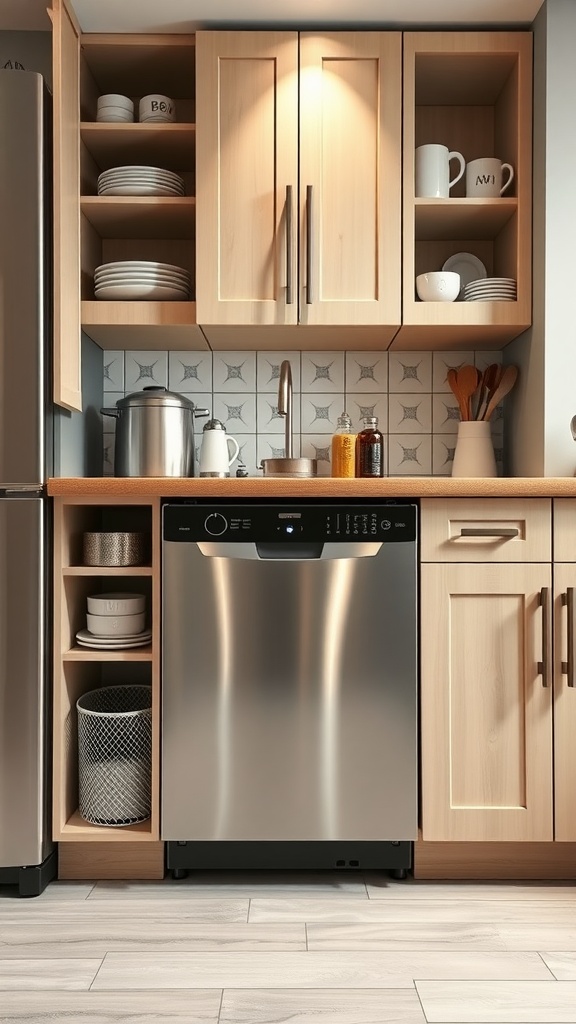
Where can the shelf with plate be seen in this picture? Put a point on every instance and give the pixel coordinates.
(140, 216)
(470, 92)
(79, 669)
(172, 146)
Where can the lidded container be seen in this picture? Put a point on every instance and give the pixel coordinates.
(370, 449)
(154, 433)
(343, 448)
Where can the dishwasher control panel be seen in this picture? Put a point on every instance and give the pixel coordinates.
(290, 523)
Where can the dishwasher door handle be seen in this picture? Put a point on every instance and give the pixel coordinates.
(286, 550)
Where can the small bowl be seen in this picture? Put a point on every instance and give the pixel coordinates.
(116, 604)
(156, 107)
(114, 548)
(116, 625)
(114, 114)
(114, 99)
(438, 286)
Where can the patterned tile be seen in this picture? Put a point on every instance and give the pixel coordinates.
(409, 371)
(410, 454)
(483, 359)
(320, 413)
(366, 371)
(268, 370)
(444, 361)
(190, 371)
(113, 363)
(236, 411)
(271, 446)
(317, 446)
(269, 420)
(234, 371)
(360, 405)
(443, 447)
(445, 414)
(143, 369)
(323, 371)
(246, 454)
(410, 414)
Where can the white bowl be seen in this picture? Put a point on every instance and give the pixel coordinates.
(438, 286)
(114, 114)
(114, 99)
(158, 107)
(116, 604)
(116, 625)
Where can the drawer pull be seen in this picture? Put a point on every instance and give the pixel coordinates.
(568, 666)
(497, 531)
(289, 229)
(543, 665)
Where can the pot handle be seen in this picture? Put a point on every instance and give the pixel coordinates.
(110, 412)
(200, 412)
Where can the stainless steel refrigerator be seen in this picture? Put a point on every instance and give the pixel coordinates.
(27, 855)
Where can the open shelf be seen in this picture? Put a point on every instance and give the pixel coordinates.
(83, 831)
(109, 570)
(462, 218)
(92, 654)
(142, 325)
(140, 216)
(172, 146)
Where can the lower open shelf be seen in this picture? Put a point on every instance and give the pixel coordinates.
(76, 829)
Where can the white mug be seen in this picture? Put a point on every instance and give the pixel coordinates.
(484, 178)
(215, 457)
(433, 171)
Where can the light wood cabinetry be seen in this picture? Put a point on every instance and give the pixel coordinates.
(78, 670)
(298, 184)
(565, 669)
(471, 92)
(486, 676)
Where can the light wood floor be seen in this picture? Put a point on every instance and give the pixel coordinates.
(289, 949)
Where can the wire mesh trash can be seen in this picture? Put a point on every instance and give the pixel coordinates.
(114, 754)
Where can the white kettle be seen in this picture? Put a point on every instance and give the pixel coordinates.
(215, 457)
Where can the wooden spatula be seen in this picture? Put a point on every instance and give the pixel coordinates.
(507, 382)
(467, 379)
(488, 384)
(452, 379)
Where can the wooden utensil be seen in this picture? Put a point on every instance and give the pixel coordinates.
(488, 385)
(507, 382)
(467, 379)
(453, 385)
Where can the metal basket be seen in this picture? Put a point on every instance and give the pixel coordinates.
(114, 755)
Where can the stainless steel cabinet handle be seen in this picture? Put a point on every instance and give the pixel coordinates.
(543, 603)
(309, 296)
(568, 666)
(503, 531)
(289, 293)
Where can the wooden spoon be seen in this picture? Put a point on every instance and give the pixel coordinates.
(488, 384)
(452, 379)
(507, 382)
(467, 379)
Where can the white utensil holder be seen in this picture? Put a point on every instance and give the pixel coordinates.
(474, 453)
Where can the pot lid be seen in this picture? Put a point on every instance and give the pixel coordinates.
(154, 397)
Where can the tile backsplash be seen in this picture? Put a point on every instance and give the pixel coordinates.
(408, 391)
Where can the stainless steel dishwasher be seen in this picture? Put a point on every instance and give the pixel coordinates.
(289, 685)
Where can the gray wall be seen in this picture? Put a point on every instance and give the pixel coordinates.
(78, 435)
(32, 49)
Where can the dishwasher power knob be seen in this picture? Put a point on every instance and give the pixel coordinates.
(215, 524)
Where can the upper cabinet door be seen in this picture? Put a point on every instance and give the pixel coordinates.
(350, 177)
(247, 177)
(66, 90)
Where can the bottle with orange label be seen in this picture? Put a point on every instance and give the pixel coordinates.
(343, 451)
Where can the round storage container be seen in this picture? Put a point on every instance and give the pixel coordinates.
(115, 548)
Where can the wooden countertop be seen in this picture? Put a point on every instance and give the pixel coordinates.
(319, 487)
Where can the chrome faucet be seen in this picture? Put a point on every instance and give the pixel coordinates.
(285, 404)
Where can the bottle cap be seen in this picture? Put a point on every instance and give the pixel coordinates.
(371, 421)
(345, 421)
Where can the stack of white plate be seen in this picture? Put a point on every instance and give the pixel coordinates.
(86, 639)
(136, 180)
(141, 279)
(492, 289)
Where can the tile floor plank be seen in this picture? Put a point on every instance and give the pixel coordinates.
(308, 970)
(562, 964)
(396, 935)
(535, 936)
(440, 911)
(381, 887)
(504, 1002)
(47, 974)
(224, 911)
(95, 935)
(249, 884)
(321, 1006)
(55, 892)
(191, 1007)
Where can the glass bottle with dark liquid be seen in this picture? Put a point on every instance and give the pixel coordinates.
(370, 449)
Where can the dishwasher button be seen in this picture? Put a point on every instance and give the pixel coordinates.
(215, 524)
(385, 524)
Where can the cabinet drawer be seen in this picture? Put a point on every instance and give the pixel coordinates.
(565, 530)
(486, 530)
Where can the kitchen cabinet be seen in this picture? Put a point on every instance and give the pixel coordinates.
(298, 189)
(486, 670)
(91, 229)
(564, 669)
(77, 670)
(471, 92)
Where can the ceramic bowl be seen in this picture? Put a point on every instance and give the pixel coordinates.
(438, 286)
(156, 107)
(114, 99)
(116, 625)
(116, 604)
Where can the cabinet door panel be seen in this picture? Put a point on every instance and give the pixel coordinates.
(564, 709)
(486, 716)
(247, 133)
(350, 110)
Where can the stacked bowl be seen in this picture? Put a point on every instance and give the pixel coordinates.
(115, 108)
(115, 621)
(139, 180)
(141, 279)
(156, 108)
(491, 289)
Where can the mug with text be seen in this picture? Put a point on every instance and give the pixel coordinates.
(433, 171)
(484, 178)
